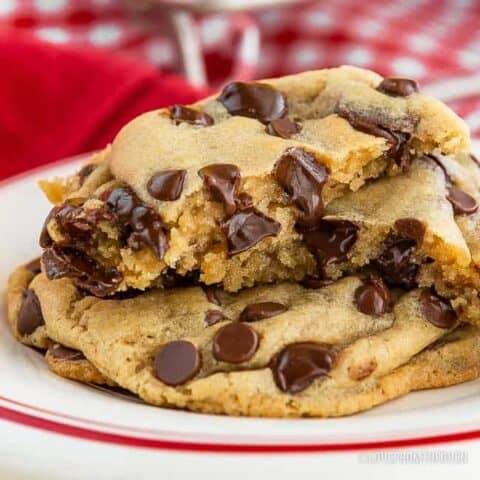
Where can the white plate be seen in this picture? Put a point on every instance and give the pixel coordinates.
(31, 396)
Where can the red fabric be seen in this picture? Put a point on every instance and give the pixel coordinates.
(77, 100)
(58, 101)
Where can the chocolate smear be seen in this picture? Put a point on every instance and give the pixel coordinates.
(30, 315)
(84, 271)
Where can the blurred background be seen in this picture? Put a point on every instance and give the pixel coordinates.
(73, 71)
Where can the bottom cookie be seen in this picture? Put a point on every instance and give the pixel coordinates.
(72, 364)
(274, 351)
(452, 360)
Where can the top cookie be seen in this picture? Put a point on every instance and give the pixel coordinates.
(226, 189)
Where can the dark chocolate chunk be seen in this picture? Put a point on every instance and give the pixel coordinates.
(397, 86)
(303, 178)
(283, 127)
(410, 228)
(398, 140)
(222, 181)
(177, 362)
(180, 113)
(396, 261)
(141, 224)
(254, 100)
(437, 309)
(462, 202)
(211, 292)
(246, 228)
(331, 240)
(78, 224)
(214, 316)
(30, 314)
(84, 271)
(34, 266)
(299, 364)
(236, 342)
(60, 352)
(167, 185)
(259, 311)
(86, 171)
(373, 297)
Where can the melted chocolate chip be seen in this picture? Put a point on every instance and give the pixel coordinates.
(373, 297)
(235, 343)
(77, 223)
(222, 181)
(142, 226)
(283, 127)
(331, 241)
(167, 185)
(30, 314)
(177, 362)
(180, 114)
(214, 316)
(397, 86)
(86, 171)
(437, 310)
(60, 352)
(410, 228)
(398, 140)
(462, 202)
(299, 364)
(85, 272)
(246, 228)
(34, 266)
(211, 292)
(254, 100)
(259, 311)
(303, 178)
(396, 262)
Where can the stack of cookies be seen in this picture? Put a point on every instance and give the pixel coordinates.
(304, 246)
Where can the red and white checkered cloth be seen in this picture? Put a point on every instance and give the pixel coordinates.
(425, 39)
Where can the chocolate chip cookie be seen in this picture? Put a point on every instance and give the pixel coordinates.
(234, 190)
(282, 350)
